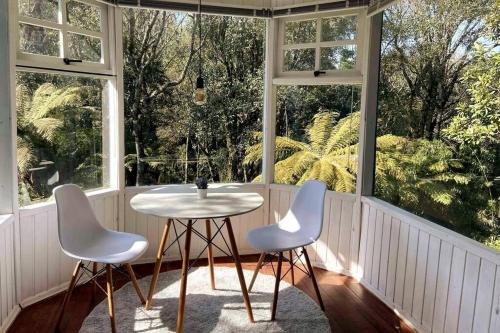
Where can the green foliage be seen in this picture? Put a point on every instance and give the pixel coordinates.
(59, 134)
(323, 157)
(477, 121)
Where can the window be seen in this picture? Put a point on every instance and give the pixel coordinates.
(63, 120)
(169, 139)
(61, 133)
(327, 43)
(317, 129)
(52, 30)
(438, 136)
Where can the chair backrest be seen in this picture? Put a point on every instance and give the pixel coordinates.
(76, 220)
(305, 215)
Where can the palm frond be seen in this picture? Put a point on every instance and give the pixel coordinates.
(345, 133)
(320, 130)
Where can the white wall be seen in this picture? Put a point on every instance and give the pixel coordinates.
(45, 269)
(437, 279)
(8, 302)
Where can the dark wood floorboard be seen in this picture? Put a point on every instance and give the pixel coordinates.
(350, 308)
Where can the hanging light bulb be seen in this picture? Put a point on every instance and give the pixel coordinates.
(200, 93)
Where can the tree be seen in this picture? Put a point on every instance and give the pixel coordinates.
(155, 62)
(326, 156)
(427, 45)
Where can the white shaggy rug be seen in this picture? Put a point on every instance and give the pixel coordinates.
(207, 310)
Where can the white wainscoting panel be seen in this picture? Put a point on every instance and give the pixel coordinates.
(45, 269)
(8, 301)
(438, 280)
(152, 228)
(333, 249)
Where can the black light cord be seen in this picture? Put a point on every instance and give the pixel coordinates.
(199, 39)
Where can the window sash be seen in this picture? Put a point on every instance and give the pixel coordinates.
(26, 59)
(334, 75)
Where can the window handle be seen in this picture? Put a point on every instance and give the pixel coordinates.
(68, 61)
(318, 73)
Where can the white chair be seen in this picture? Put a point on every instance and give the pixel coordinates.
(300, 227)
(82, 237)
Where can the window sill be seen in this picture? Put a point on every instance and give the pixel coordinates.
(92, 194)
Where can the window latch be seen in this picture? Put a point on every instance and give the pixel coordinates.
(68, 61)
(318, 73)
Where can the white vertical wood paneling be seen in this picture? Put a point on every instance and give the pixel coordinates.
(438, 280)
(484, 298)
(8, 302)
(44, 267)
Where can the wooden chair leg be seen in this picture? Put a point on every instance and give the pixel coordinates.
(239, 270)
(184, 275)
(257, 269)
(67, 296)
(315, 284)
(159, 256)
(210, 255)
(111, 306)
(290, 257)
(277, 286)
(94, 282)
(134, 282)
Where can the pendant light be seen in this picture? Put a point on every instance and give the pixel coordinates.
(200, 93)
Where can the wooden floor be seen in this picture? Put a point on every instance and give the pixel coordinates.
(349, 307)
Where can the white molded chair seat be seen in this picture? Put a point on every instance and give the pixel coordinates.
(108, 247)
(273, 238)
(82, 236)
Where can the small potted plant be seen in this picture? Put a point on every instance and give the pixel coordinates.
(202, 185)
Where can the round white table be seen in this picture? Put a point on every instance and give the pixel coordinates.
(178, 203)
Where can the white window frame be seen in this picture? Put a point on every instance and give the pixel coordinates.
(109, 69)
(64, 27)
(350, 76)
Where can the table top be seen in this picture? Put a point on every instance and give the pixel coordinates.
(182, 202)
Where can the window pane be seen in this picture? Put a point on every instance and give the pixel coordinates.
(299, 60)
(317, 129)
(338, 28)
(168, 138)
(438, 132)
(84, 47)
(84, 16)
(300, 32)
(38, 40)
(338, 57)
(40, 9)
(60, 133)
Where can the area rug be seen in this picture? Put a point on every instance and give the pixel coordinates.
(207, 310)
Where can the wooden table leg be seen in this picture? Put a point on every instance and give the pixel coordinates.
(159, 256)
(210, 254)
(72, 284)
(135, 284)
(256, 272)
(184, 275)
(277, 286)
(111, 305)
(239, 270)
(290, 256)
